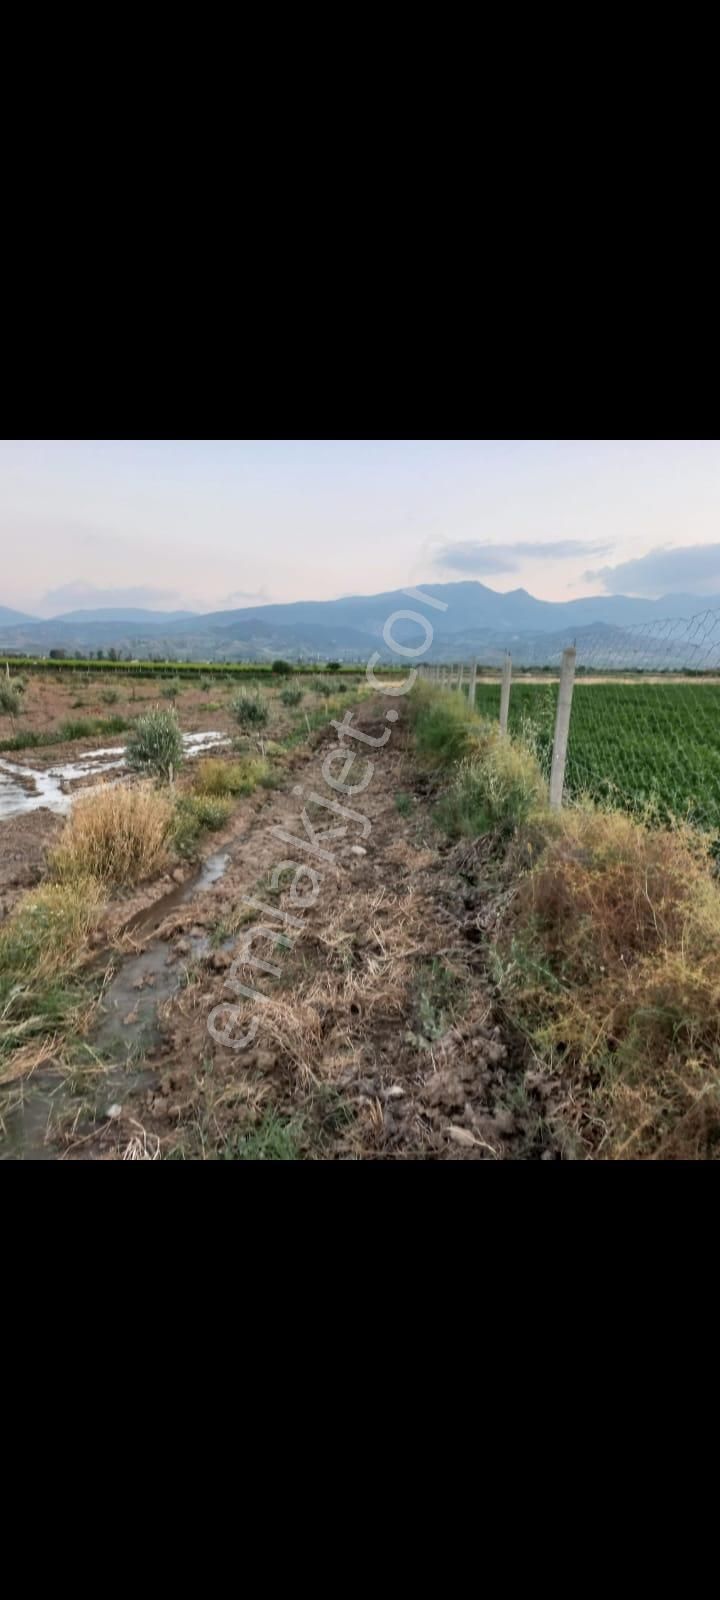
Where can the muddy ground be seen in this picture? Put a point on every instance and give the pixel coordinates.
(48, 703)
(379, 1036)
(24, 843)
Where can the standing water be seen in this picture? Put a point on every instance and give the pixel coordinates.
(24, 789)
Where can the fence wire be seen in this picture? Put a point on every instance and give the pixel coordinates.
(645, 725)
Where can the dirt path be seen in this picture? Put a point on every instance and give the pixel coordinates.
(376, 1038)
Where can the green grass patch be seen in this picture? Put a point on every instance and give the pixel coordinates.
(196, 814)
(221, 778)
(275, 1138)
(438, 995)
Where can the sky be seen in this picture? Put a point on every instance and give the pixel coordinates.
(188, 524)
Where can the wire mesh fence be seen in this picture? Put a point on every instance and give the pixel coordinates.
(644, 730)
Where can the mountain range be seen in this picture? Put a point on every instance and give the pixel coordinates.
(478, 620)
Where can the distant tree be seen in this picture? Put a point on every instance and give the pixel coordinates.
(333, 666)
(112, 654)
(101, 655)
(282, 668)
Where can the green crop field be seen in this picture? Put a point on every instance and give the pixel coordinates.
(650, 747)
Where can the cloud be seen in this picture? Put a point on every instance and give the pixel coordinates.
(694, 569)
(495, 558)
(84, 596)
(244, 597)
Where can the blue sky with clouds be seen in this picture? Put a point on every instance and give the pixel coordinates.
(220, 523)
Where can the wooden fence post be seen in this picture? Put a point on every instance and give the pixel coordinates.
(562, 728)
(505, 694)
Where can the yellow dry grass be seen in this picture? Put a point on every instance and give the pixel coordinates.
(611, 955)
(117, 835)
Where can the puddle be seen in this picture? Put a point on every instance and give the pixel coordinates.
(143, 982)
(26, 1126)
(128, 1023)
(211, 872)
(132, 997)
(24, 789)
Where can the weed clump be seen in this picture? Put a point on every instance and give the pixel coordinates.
(443, 725)
(10, 697)
(117, 836)
(610, 957)
(195, 814)
(220, 778)
(495, 790)
(274, 1138)
(155, 744)
(249, 710)
(86, 728)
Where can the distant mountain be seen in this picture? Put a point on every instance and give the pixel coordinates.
(122, 614)
(9, 617)
(470, 606)
(478, 621)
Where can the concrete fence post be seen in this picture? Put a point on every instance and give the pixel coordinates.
(473, 684)
(505, 694)
(562, 728)
(461, 675)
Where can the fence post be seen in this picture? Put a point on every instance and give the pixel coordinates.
(473, 684)
(562, 728)
(461, 675)
(505, 694)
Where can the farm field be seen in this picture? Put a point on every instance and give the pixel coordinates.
(69, 731)
(106, 988)
(409, 1012)
(635, 746)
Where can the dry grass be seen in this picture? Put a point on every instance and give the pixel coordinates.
(608, 950)
(611, 956)
(28, 1059)
(117, 835)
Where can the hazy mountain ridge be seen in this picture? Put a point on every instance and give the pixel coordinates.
(478, 620)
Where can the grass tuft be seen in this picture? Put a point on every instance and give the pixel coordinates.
(155, 744)
(249, 710)
(117, 835)
(214, 776)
